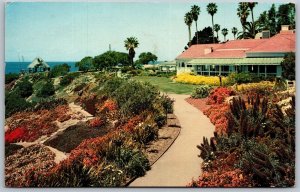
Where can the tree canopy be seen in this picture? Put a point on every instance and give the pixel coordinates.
(110, 59)
(205, 36)
(59, 70)
(146, 57)
(85, 64)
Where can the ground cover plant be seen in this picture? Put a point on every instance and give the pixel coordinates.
(106, 150)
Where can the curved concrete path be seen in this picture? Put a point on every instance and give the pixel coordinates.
(180, 163)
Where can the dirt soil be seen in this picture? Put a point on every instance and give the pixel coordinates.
(166, 136)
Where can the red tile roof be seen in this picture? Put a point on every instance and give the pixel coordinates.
(282, 42)
(197, 51)
(226, 54)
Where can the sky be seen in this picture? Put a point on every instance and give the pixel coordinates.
(70, 31)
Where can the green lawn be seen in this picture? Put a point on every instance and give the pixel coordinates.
(167, 85)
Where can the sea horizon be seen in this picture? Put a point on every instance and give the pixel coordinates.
(17, 66)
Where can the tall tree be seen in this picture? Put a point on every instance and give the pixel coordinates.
(225, 32)
(251, 6)
(146, 57)
(243, 13)
(234, 31)
(131, 43)
(286, 15)
(212, 9)
(205, 36)
(188, 19)
(217, 29)
(195, 10)
(272, 21)
(248, 31)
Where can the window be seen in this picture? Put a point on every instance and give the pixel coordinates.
(271, 69)
(189, 65)
(182, 64)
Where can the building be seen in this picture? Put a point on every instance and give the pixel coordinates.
(167, 66)
(38, 65)
(257, 56)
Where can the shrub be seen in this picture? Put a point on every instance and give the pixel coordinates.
(11, 77)
(15, 103)
(201, 92)
(167, 103)
(288, 66)
(111, 85)
(59, 70)
(243, 77)
(67, 79)
(25, 88)
(46, 90)
(50, 103)
(134, 97)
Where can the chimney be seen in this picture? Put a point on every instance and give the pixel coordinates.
(286, 29)
(208, 50)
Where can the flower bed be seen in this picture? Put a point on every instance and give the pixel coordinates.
(199, 80)
(36, 158)
(29, 126)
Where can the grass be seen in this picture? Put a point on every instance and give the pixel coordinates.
(167, 85)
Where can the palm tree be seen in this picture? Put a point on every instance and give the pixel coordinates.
(212, 8)
(217, 29)
(234, 31)
(195, 10)
(248, 34)
(131, 43)
(251, 5)
(243, 13)
(188, 19)
(225, 32)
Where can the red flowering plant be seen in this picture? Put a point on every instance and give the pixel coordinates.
(96, 122)
(15, 135)
(216, 114)
(218, 95)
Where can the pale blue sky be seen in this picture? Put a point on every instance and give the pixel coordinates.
(71, 31)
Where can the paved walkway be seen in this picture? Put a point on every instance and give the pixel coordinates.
(180, 163)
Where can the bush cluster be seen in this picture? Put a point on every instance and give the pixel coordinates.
(201, 91)
(46, 90)
(11, 77)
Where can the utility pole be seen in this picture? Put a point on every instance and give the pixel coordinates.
(109, 47)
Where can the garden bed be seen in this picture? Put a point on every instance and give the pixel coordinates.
(74, 135)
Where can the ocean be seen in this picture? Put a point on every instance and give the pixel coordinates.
(16, 67)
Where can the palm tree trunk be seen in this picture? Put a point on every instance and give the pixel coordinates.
(243, 31)
(234, 36)
(212, 19)
(224, 38)
(196, 32)
(189, 36)
(253, 25)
